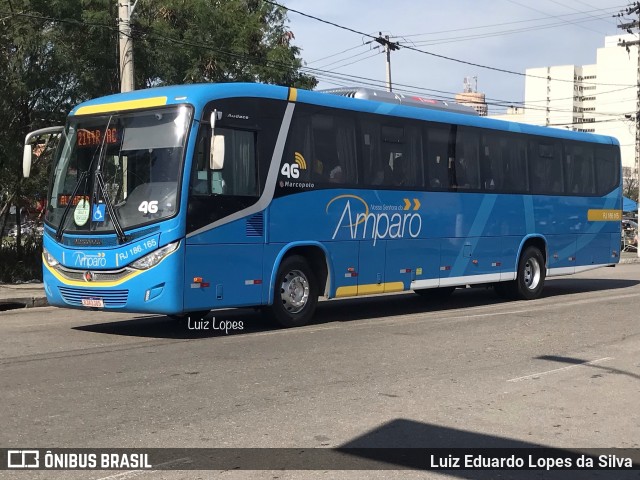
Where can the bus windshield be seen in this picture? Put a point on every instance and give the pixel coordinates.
(129, 162)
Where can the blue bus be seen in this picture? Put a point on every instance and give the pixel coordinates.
(185, 199)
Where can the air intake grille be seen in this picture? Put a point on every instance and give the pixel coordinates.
(255, 225)
(111, 298)
(105, 241)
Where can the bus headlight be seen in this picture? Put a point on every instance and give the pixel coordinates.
(52, 262)
(152, 259)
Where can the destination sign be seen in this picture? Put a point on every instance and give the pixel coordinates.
(93, 138)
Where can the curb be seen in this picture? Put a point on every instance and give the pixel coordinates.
(629, 260)
(13, 303)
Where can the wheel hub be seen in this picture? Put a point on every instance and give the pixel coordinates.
(295, 291)
(532, 273)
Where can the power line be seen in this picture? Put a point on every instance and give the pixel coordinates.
(478, 36)
(553, 16)
(608, 10)
(338, 53)
(358, 80)
(444, 57)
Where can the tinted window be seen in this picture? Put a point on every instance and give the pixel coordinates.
(545, 161)
(372, 164)
(494, 153)
(607, 169)
(323, 146)
(578, 169)
(516, 172)
(437, 154)
(467, 173)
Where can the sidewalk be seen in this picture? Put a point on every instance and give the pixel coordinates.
(28, 295)
(25, 295)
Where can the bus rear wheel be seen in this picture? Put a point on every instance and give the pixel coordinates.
(530, 277)
(296, 293)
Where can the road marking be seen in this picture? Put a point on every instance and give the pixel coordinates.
(548, 372)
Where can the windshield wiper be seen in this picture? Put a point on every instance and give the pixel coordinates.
(60, 229)
(122, 238)
(83, 176)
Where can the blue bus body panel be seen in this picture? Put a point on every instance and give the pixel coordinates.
(375, 240)
(156, 290)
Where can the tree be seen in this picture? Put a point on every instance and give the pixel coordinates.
(215, 41)
(55, 54)
(630, 187)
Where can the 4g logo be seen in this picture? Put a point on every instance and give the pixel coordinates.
(292, 170)
(148, 207)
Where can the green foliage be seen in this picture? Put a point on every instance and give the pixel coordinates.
(23, 264)
(55, 54)
(218, 41)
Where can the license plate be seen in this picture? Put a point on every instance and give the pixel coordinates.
(92, 302)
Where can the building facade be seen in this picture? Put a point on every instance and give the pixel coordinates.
(599, 98)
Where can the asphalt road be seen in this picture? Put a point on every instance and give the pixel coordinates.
(386, 371)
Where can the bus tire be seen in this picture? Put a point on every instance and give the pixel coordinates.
(531, 274)
(295, 293)
(436, 294)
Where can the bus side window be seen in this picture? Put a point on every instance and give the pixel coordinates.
(607, 174)
(516, 172)
(436, 157)
(334, 145)
(394, 156)
(412, 165)
(579, 169)
(493, 147)
(372, 164)
(467, 159)
(546, 167)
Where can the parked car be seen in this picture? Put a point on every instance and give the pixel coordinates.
(27, 228)
(629, 235)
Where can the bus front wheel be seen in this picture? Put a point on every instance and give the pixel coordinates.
(296, 293)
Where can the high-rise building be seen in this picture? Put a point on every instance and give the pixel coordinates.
(599, 98)
(472, 98)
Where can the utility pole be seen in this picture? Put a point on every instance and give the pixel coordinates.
(125, 10)
(634, 9)
(388, 47)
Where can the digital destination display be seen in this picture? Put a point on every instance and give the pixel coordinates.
(93, 138)
(63, 199)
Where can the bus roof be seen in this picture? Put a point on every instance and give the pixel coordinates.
(199, 95)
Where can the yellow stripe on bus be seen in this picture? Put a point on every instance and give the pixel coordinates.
(293, 94)
(76, 283)
(119, 106)
(113, 283)
(369, 289)
(595, 215)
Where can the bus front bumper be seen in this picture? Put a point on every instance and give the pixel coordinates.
(156, 290)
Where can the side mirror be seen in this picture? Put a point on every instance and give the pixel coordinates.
(216, 159)
(216, 155)
(27, 155)
(26, 161)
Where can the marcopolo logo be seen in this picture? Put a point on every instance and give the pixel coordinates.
(375, 221)
(89, 260)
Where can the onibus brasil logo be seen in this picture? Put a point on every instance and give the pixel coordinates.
(364, 221)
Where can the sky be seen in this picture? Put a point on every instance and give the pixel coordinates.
(506, 34)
